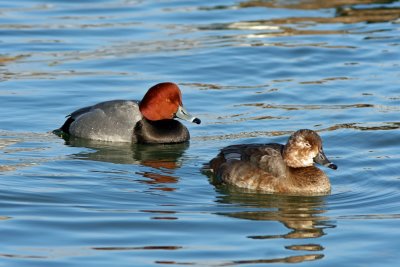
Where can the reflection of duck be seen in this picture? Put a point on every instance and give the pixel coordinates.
(162, 158)
(276, 168)
(147, 121)
(154, 155)
(303, 215)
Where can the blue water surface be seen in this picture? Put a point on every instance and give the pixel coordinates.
(253, 71)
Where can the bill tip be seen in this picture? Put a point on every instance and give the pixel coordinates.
(196, 120)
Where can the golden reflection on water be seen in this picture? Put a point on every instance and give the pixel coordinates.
(9, 59)
(309, 4)
(346, 12)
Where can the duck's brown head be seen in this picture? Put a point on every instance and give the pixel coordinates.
(303, 148)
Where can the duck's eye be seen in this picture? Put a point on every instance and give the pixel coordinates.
(306, 144)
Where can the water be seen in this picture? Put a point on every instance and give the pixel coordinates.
(253, 71)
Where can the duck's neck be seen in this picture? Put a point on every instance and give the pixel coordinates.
(159, 132)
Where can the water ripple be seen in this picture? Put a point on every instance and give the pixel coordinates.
(254, 71)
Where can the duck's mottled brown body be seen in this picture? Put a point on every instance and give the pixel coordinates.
(276, 168)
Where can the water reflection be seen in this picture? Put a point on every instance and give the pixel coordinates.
(18, 150)
(310, 4)
(140, 248)
(346, 12)
(303, 216)
(291, 259)
(9, 59)
(162, 159)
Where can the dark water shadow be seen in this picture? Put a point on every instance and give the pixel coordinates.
(303, 216)
(162, 159)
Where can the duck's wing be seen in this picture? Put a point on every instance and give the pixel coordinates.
(267, 157)
(109, 121)
(71, 118)
(256, 157)
(105, 107)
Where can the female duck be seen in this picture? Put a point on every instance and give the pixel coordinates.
(148, 121)
(276, 168)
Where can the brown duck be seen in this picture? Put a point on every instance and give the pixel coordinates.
(276, 168)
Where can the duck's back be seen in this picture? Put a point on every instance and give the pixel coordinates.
(108, 121)
(251, 166)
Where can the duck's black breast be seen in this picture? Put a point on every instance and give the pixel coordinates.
(163, 131)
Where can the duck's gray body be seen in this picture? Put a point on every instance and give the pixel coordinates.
(113, 120)
(122, 121)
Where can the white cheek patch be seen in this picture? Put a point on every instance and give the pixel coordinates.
(307, 161)
(303, 155)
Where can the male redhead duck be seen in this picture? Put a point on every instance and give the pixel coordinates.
(150, 120)
(276, 168)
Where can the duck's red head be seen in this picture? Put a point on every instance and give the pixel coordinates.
(164, 101)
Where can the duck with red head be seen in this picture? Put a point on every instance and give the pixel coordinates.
(150, 120)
